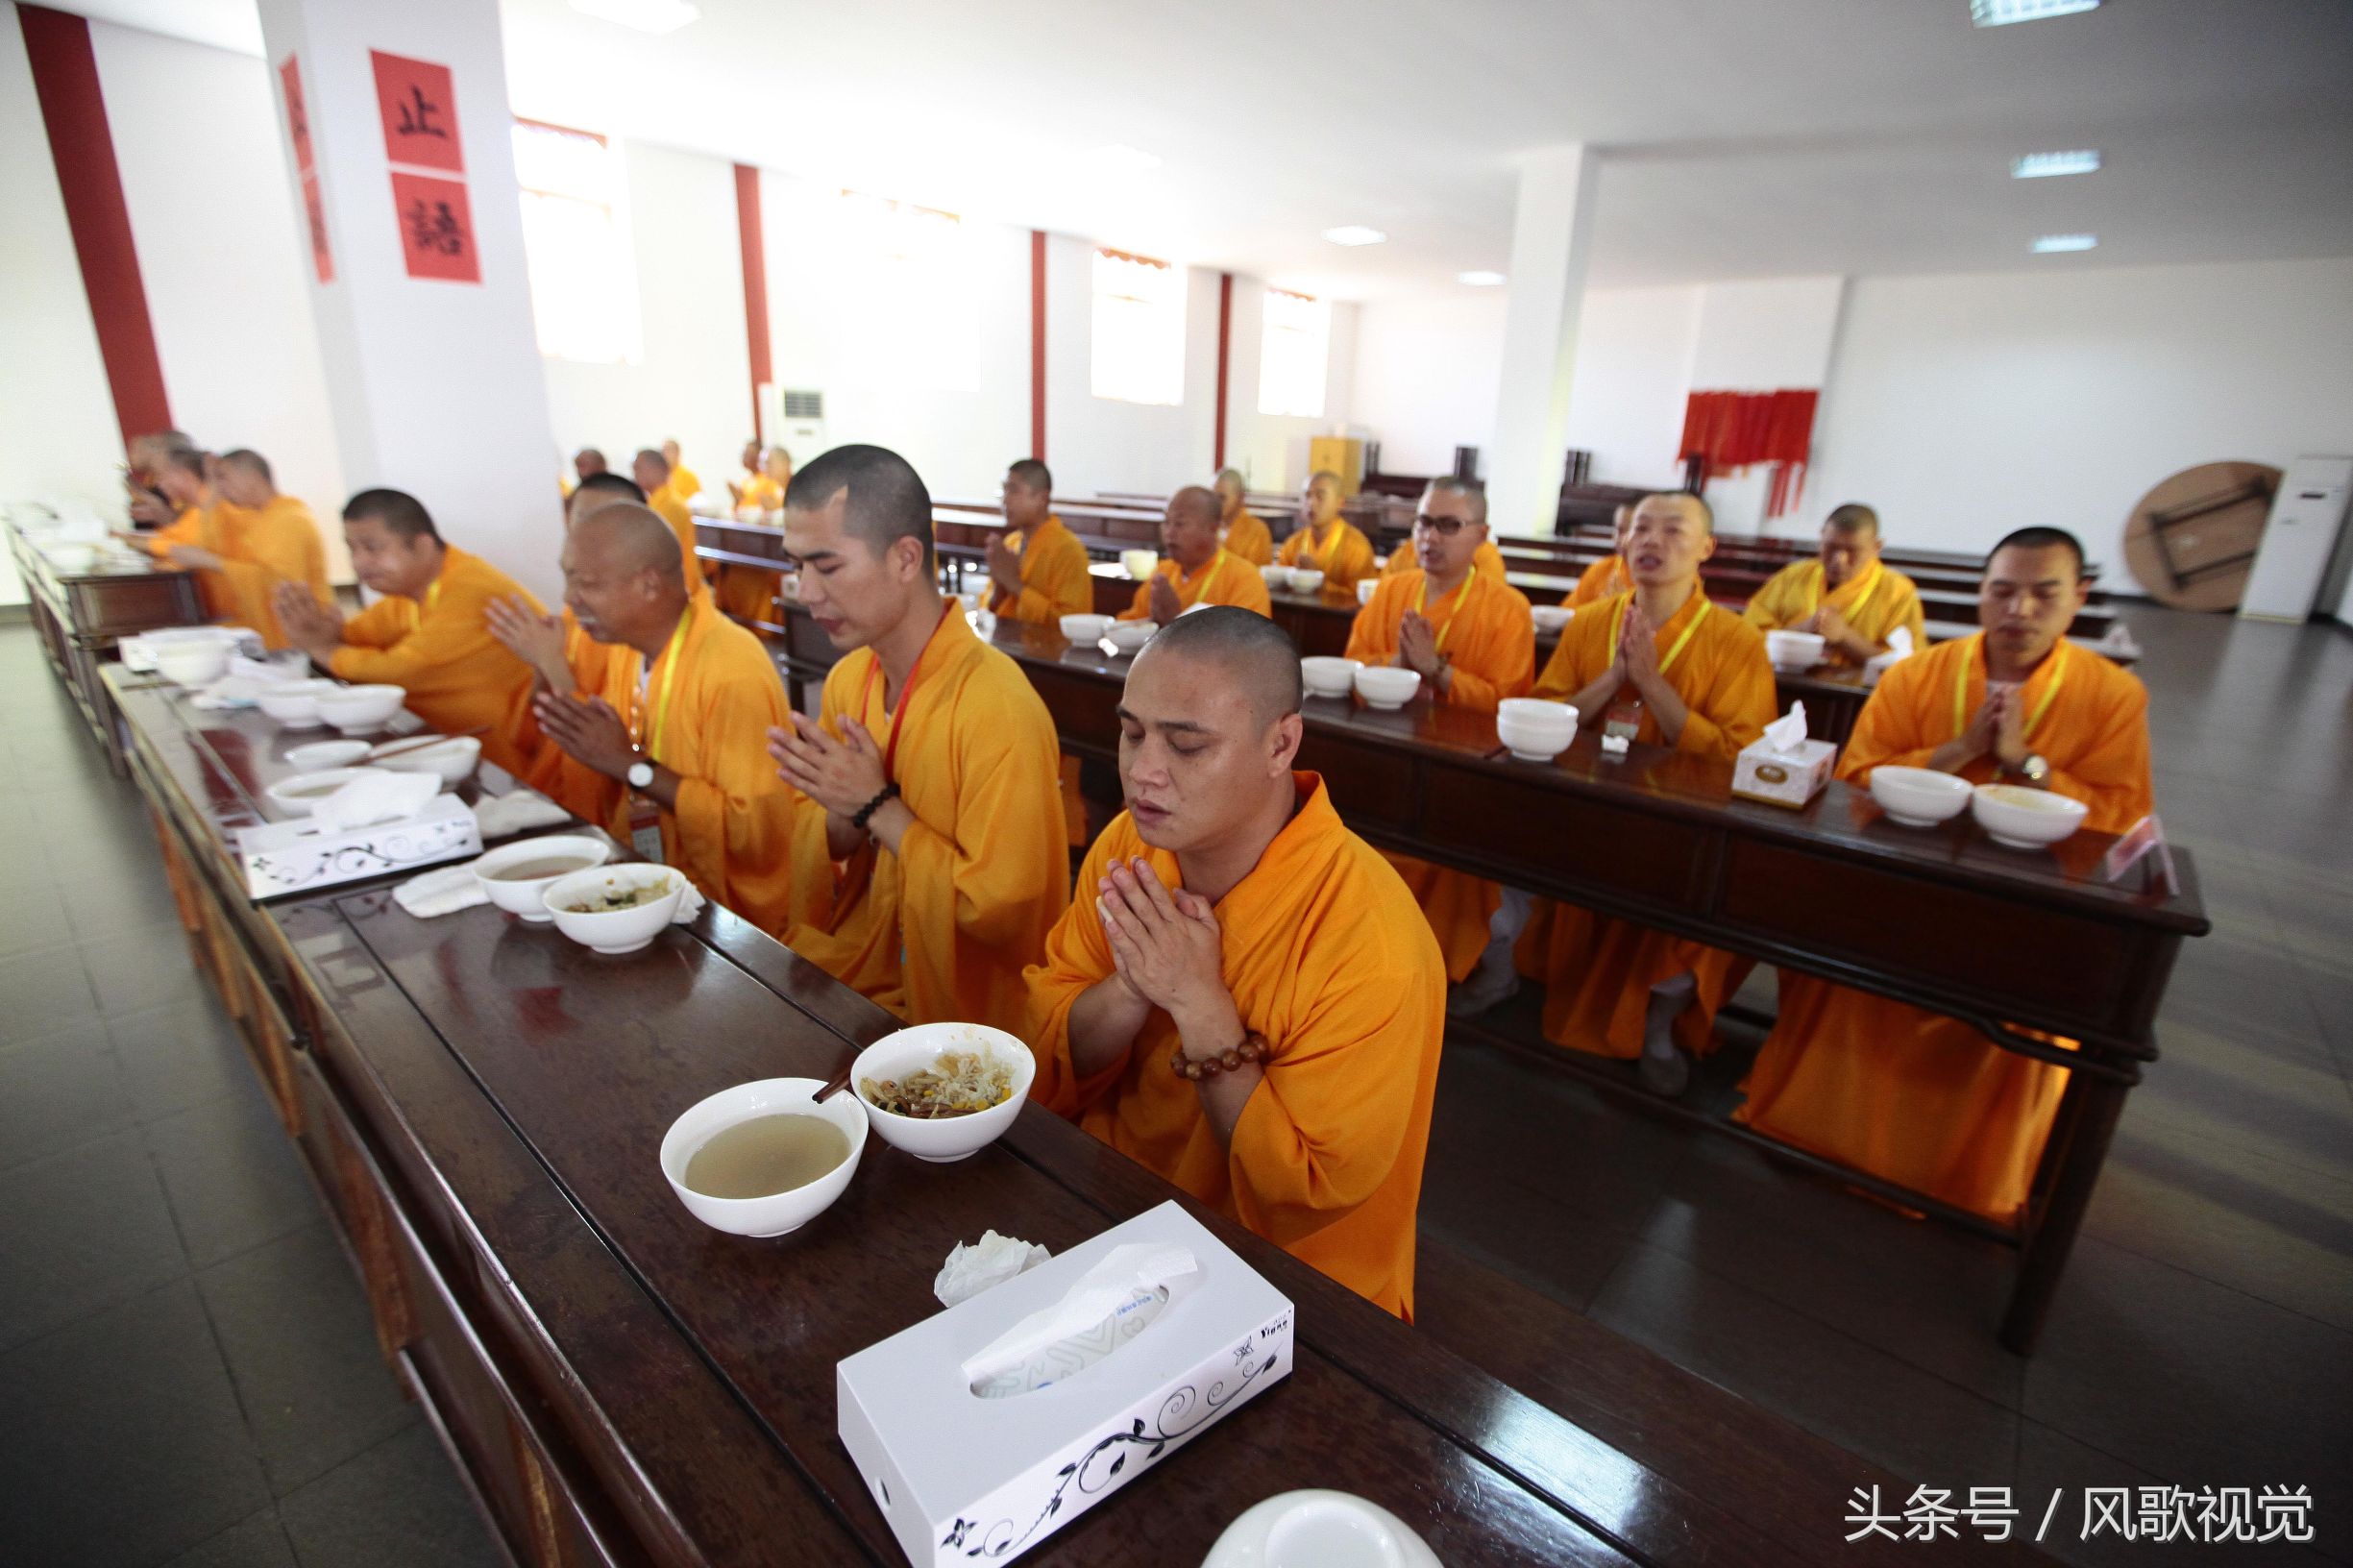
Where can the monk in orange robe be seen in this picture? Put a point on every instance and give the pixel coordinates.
(1243, 533)
(651, 472)
(1037, 568)
(149, 507)
(426, 634)
(1685, 673)
(1323, 541)
(749, 593)
(1474, 644)
(662, 696)
(1924, 1101)
(1608, 575)
(930, 857)
(684, 482)
(241, 538)
(1847, 594)
(1248, 1004)
(1194, 568)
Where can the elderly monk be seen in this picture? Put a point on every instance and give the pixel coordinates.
(1037, 567)
(1239, 529)
(684, 482)
(931, 855)
(749, 593)
(1323, 541)
(1678, 672)
(654, 475)
(1251, 1005)
(1847, 594)
(560, 667)
(667, 699)
(1194, 568)
(1924, 1101)
(425, 635)
(1608, 575)
(150, 507)
(262, 539)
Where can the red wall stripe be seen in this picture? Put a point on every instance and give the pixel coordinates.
(755, 290)
(1036, 343)
(65, 79)
(1225, 354)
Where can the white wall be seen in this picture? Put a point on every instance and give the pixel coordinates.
(1965, 406)
(1425, 372)
(693, 380)
(1635, 347)
(58, 435)
(221, 257)
(1271, 450)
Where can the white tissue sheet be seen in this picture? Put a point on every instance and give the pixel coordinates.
(377, 797)
(444, 892)
(973, 1266)
(1111, 1303)
(515, 811)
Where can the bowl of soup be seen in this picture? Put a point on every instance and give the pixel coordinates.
(2025, 819)
(615, 909)
(516, 877)
(942, 1092)
(764, 1158)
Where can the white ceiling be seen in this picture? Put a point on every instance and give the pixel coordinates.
(1742, 140)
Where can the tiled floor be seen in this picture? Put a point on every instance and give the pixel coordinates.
(189, 1377)
(187, 1367)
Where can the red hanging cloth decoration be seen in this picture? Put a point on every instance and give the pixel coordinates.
(1735, 429)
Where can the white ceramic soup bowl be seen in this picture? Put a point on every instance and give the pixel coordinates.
(1276, 576)
(1534, 729)
(526, 897)
(1084, 630)
(1385, 686)
(1794, 649)
(298, 795)
(945, 1138)
(1550, 618)
(319, 754)
(2025, 819)
(1367, 587)
(355, 710)
(1920, 797)
(453, 759)
(778, 1211)
(1325, 676)
(1307, 581)
(615, 931)
(293, 703)
(1139, 563)
(1129, 636)
(192, 664)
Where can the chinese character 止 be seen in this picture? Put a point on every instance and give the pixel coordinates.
(2107, 1511)
(1990, 1511)
(1863, 1513)
(1929, 1514)
(2284, 1513)
(417, 115)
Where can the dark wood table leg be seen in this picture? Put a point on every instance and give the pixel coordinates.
(2088, 1125)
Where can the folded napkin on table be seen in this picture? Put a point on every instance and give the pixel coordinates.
(517, 811)
(443, 891)
(375, 798)
(689, 906)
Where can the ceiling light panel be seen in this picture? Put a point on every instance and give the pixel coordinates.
(1479, 280)
(2050, 166)
(2003, 12)
(2054, 244)
(1355, 233)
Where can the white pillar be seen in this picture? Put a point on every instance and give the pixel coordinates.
(1551, 244)
(435, 384)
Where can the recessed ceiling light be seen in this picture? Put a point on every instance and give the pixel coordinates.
(645, 16)
(1353, 234)
(2046, 165)
(1120, 159)
(1479, 280)
(2051, 243)
(2003, 12)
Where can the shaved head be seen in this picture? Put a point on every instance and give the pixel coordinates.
(624, 579)
(1208, 728)
(598, 491)
(1251, 654)
(245, 479)
(632, 538)
(884, 497)
(1196, 501)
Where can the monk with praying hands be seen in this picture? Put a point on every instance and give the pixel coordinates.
(1664, 667)
(1324, 542)
(1608, 575)
(1243, 533)
(1923, 1101)
(656, 694)
(1847, 595)
(931, 856)
(426, 634)
(242, 537)
(1194, 568)
(1244, 997)
(1037, 569)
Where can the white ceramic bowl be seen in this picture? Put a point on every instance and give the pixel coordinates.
(1920, 797)
(1128, 636)
(356, 710)
(1367, 587)
(298, 795)
(1307, 581)
(1085, 629)
(1276, 576)
(615, 931)
(910, 1050)
(1385, 686)
(1550, 618)
(1794, 649)
(294, 703)
(2025, 819)
(192, 664)
(778, 1211)
(1327, 677)
(453, 759)
(526, 897)
(68, 560)
(327, 754)
(1534, 729)
(1139, 563)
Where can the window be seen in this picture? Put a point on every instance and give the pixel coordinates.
(1292, 351)
(1139, 353)
(904, 294)
(575, 245)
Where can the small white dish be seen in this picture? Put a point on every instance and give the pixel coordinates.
(776, 1213)
(1319, 1529)
(1385, 686)
(294, 703)
(614, 932)
(1126, 637)
(192, 664)
(2025, 819)
(1307, 581)
(1920, 797)
(454, 759)
(298, 795)
(1550, 618)
(525, 897)
(1325, 676)
(1084, 629)
(318, 754)
(356, 710)
(945, 1139)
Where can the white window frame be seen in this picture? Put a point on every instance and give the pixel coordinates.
(1294, 353)
(577, 247)
(1137, 346)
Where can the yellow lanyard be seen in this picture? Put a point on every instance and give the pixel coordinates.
(418, 612)
(1960, 687)
(1209, 574)
(660, 707)
(1617, 624)
(1821, 583)
(1309, 559)
(1462, 600)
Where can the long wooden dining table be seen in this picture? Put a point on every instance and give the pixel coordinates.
(481, 1103)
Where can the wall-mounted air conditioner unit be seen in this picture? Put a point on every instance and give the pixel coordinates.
(795, 420)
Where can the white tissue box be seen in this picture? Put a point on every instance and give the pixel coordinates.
(301, 855)
(1783, 778)
(958, 1475)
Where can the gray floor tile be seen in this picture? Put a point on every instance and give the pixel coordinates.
(33, 919)
(180, 1057)
(256, 1542)
(143, 966)
(396, 1506)
(44, 995)
(231, 1176)
(87, 1228)
(124, 1443)
(59, 1090)
(2282, 1099)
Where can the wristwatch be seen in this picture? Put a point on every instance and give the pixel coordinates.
(640, 771)
(2033, 768)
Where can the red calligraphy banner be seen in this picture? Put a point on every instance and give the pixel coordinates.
(437, 228)
(1735, 431)
(297, 118)
(306, 169)
(419, 106)
(314, 219)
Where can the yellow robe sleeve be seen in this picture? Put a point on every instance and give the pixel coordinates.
(1004, 856)
(1783, 601)
(1602, 578)
(732, 826)
(1737, 698)
(1249, 541)
(1055, 581)
(381, 625)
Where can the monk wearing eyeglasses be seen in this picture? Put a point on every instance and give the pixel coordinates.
(1847, 594)
(1196, 569)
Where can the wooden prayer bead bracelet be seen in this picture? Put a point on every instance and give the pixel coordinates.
(1253, 1048)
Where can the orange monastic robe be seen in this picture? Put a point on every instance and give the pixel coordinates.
(940, 931)
(1599, 972)
(761, 491)
(1247, 539)
(258, 551)
(1054, 577)
(1485, 628)
(440, 650)
(1487, 561)
(684, 483)
(669, 503)
(1874, 602)
(749, 593)
(1343, 554)
(1227, 579)
(1602, 579)
(1326, 957)
(1915, 1099)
